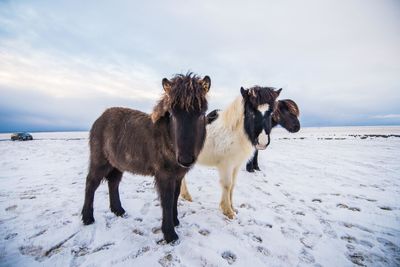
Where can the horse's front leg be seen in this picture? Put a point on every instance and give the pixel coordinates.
(166, 190)
(255, 161)
(177, 192)
(225, 176)
(249, 165)
(185, 192)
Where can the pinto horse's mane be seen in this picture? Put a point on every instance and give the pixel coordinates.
(262, 94)
(186, 93)
(233, 115)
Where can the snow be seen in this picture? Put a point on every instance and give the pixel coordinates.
(323, 198)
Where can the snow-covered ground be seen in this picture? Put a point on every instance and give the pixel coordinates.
(323, 198)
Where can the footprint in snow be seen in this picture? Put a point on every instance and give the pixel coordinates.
(168, 260)
(30, 250)
(344, 206)
(254, 237)
(306, 256)
(352, 240)
(264, 251)
(278, 219)
(327, 228)
(137, 232)
(247, 206)
(390, 245)
(301, 213)
(156, 230)
(229, 256)
(11, 208)
(145, 209)
(362, 228)
(290, 233)
(310, 239)
(204, 232)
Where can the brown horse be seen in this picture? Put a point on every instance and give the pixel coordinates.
(164, 144)
(286, 115)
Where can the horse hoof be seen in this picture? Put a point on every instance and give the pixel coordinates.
(257, 168)
(87, 216)
(187, 197)
(118, 211)
(87, 220)
(230, 214)
(250, 169)
(170, 237)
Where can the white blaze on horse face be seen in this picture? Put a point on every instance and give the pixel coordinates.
(263, 108)
(262, 141)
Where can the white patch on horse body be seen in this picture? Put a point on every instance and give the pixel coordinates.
(263, 108)
(226, 141)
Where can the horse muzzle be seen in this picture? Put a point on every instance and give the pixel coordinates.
(263, 141)
(186, 161)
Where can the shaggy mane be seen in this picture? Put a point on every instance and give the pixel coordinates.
(290, 104)
(186, 93)
(262, 94)
(233, 115)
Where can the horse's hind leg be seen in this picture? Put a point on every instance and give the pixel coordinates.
(93, 179)
(114, 178)
(185, 192)
(234, 177)
(225, 176)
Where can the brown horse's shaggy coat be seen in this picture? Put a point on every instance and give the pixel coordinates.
(164, 144)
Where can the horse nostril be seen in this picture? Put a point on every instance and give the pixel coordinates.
(296, 128)
(186, 161)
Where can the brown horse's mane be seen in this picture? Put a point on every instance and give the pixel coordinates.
(186, 93)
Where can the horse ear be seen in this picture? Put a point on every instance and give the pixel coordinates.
(159, 111)
(244, 92)
(206, 83)
(279, 91)
(167, 85)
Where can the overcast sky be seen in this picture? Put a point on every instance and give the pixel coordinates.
(63, 62)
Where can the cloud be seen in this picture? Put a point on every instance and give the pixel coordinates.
(387, 116)
(63, 75)
(339, 61)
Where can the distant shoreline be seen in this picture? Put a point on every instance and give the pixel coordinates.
(304, 127)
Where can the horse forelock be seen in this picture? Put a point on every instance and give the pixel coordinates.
(187, 93)
(263, 95)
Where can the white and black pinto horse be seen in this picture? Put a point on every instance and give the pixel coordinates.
(286, 115)
(232, 136)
